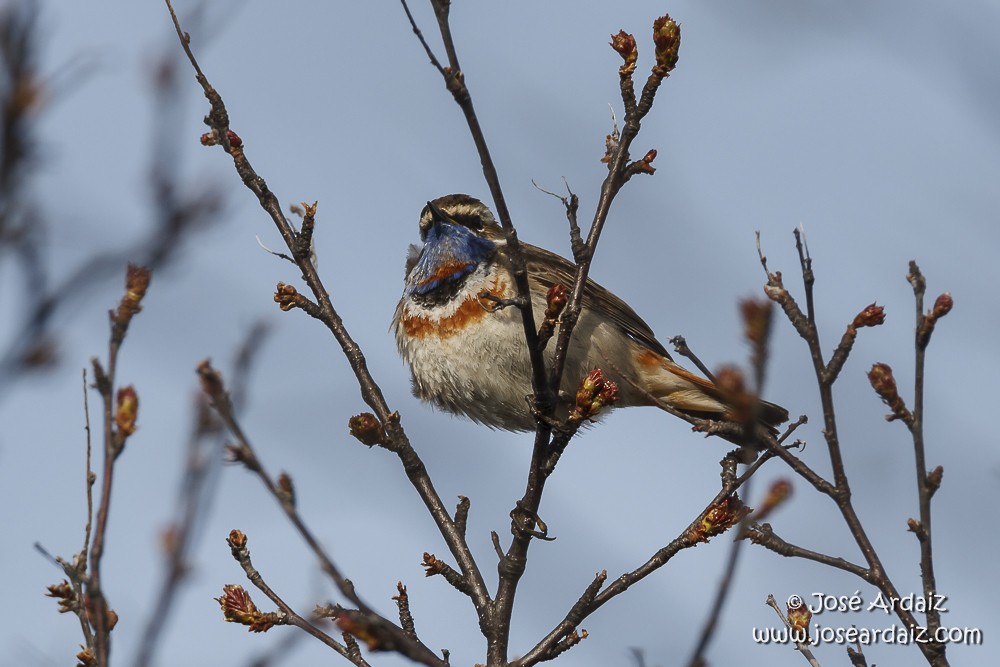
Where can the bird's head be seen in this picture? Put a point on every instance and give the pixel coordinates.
(459, 234)
(460, 210)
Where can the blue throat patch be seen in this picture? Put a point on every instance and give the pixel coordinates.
(451, 252)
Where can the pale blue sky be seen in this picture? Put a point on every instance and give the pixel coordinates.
(873, 125)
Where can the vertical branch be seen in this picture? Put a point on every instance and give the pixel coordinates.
(119, 423)
(666, 35)
(667, 38)
(454, 79)
(927, 484)
(91, 478)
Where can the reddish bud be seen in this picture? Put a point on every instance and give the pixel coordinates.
(126, 411)
(137, 280)
(65, 594)
(779, 492)
(667, 38)
(285, 296)
(645, 165)
(356, 624)
(286, 488)
(86, 658)
(871, 316)
(942, 305)
(170, 540)
(211, 380)
(624, 44)
(594, 393)
(799, 617)
(555, 300)
(609, 393)
(367, 429)
(236, 604)
(934, 478)
(756, 315)
(401, 590)
(718, 518)
(234, 139)
(610, 145)
(237, 607)
(730, 380)
(741, 401)
(884, 384)
(237, 539)
(883, 381)
(432, 565)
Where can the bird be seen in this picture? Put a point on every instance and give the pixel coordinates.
(468, 356)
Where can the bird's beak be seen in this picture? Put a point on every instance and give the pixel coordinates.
(438, 214)
(437, 217)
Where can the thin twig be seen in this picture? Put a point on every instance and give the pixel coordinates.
(681, 347)
(242, 556)
(91, 478)
(119, 424)
(393, 636)
(802, 646)
(925, 488)
(764, 536)
(196, 493)
(593, 598)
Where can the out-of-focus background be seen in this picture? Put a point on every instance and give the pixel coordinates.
(872, 125)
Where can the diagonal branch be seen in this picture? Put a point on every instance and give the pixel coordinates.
(371, 393)
(281, 489)
(722, 513)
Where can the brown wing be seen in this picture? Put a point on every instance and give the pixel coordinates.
(548, 269)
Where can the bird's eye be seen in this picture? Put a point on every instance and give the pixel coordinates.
(470, 220)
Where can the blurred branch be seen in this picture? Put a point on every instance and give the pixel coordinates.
(196, 494)
(176, 216)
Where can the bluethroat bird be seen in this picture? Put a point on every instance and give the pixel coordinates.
(469, 357)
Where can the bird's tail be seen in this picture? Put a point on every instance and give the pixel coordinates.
(693, 395)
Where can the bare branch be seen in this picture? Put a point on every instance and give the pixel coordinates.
(371, 393)
(390, 634)
(802, 646)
